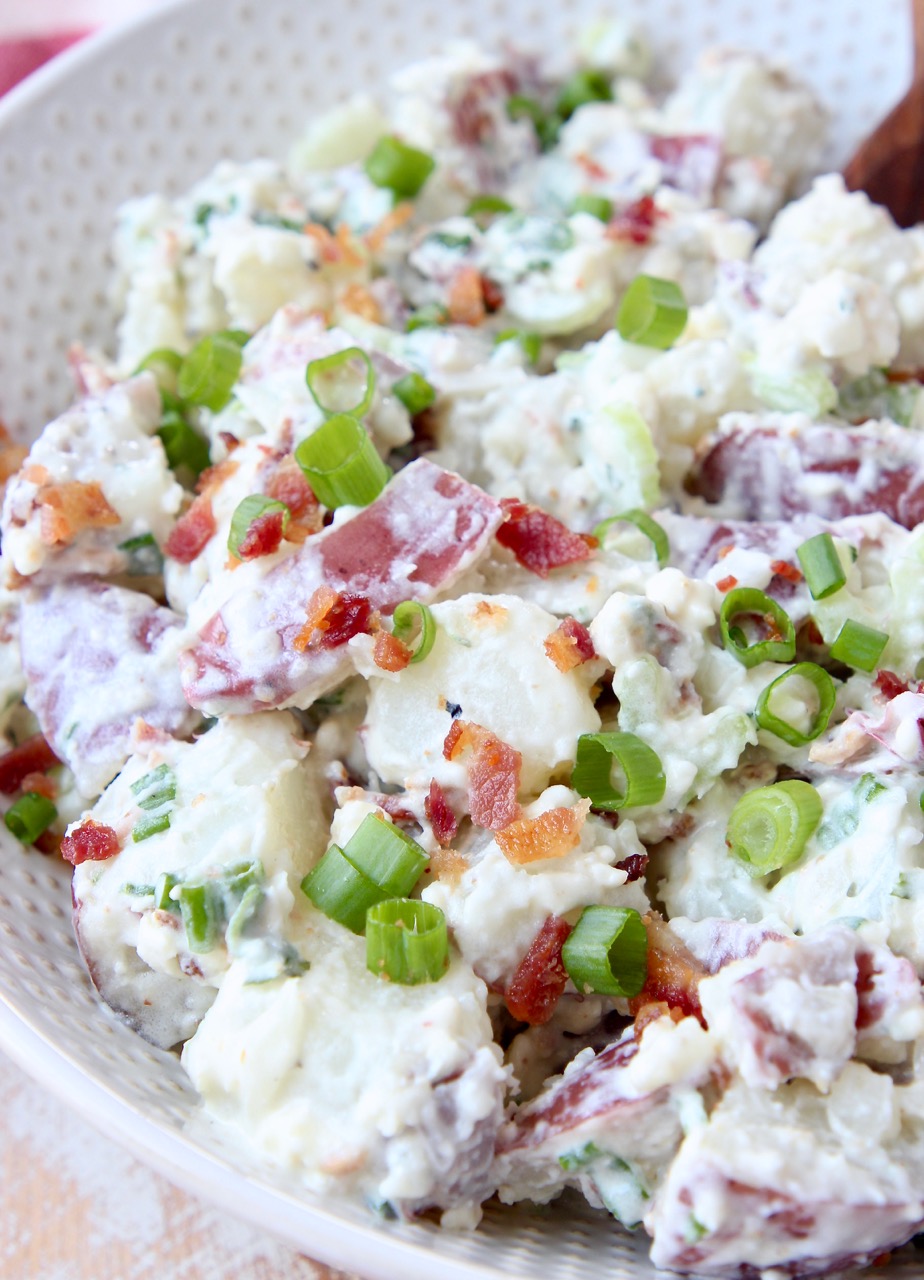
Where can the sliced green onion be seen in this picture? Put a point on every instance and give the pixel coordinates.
(769, 827)
(241, 336)
(386, 856)
(414, 392)
(597, 206)
(246, 512)
(584, 86)
(400, 168)
(342, 892)
(149, 825)
(646, 525)
(813, 392)
(410, 616)
(530, 342)
(607, 952)
(243, 913)
(779, 647)
(868, 788)
(546, 123)
(428, 317)
(641, 767)
(653, 312)
(450, 240)
(340, 463)
(210, 371)
(202, 916)
(859, 646)
(155, 788)
(239, 877)
(407, 941)
(29, 816)
(166, 881)
(338, 385)
(165, 364)
(138, 890)
(488, 204)
(822, 686)
(183, 445)
(824, 573)
(144, 555)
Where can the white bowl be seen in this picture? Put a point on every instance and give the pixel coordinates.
(153, 106)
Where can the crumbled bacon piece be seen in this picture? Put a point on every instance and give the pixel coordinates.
(192, 531)
(636, 222)
(569, 645)
(551, 835)
(390, 653)
(674, 973)
(32, 756)
(12, 455)
(398, 216)
(539, 541)
(493, 774)
(465, 302)
(90, 842)
(537, 986)
(492, 293)
(783, 569)
(473, 119)
(439, 813)
(333, 619)
(651, 1012)
(634, 866)
(66, 508)
(213, 477)
(357, 299)
(263, 536)
(726, 584)
(40, 784)
(286, 483)
(328, 247)
(889, 684)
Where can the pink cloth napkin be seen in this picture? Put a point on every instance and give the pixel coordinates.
(20, 56)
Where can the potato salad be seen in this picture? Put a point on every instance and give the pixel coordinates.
(468, 639)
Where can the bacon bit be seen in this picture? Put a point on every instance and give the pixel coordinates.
(465, 302)
(591, 167)
(192, 531)
(390, 653)
(537, 986)
(229, 440)
(674, 973)
(41, 784)
(634, 866)
(328, 247)
(36, 474)
(493, 774)
(636, 222)
(889, 684)
(440, 815)
(551, 835)
(569, 645)
(725, 550)
(213, 477)
(448, 865)
(287, 484)
(90, 842)
(881, 1260)
(263, 536)
(812, 634)
(402, 213)
(67, 508)
(333, 619)
(48, 842)
(357, 299)
(651, 1012)
(783, 569)
(30, 757)
(726, 584)
(349, 249)
(539, 541)
(492, 294)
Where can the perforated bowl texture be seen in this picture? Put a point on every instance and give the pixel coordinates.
(152, 107)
